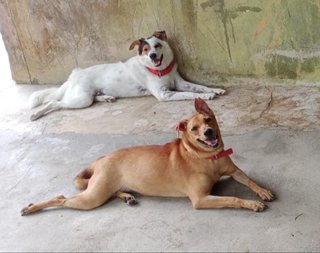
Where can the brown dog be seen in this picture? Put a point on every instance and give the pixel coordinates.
(186, 167)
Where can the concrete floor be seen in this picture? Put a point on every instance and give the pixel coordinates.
(274, 131)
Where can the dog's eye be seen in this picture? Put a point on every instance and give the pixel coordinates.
(145, 49)
(158, 46)
(195, 128)
(207, 120)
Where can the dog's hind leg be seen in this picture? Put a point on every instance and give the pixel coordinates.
(86, 200)
(50, 107)
(127, 198)
(55, 202)
(99, 190)
(80, 100)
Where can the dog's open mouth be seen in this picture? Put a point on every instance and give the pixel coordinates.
(157, 62)
(213, 143)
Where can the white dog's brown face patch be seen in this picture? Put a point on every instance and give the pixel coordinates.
(143, 46)
(145, 49)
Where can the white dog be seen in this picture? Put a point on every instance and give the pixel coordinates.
(152, 72)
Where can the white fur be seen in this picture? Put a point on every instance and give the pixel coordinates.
(106, 82)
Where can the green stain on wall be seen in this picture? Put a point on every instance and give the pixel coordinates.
(282, 67)
(290, 67)
(309, 65)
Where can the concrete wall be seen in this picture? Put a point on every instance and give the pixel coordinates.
(212, 39)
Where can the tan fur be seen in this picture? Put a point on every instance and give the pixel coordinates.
(177, 169)
(81, 181)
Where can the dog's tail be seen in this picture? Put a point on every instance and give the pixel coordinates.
(82, 179)
(44, 96)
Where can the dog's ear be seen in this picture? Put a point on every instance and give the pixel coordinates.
(182, 126)
(161, 35)
(137, 43)
(202, 107)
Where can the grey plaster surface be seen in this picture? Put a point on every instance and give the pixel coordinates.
(274, 131)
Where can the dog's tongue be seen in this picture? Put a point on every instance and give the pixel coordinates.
(156, 61)
(211, 143)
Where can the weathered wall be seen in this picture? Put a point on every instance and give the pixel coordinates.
(212, 39)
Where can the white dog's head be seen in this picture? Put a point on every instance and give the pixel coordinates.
(154, 51)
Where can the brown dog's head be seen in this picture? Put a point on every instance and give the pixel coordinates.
(202, 130)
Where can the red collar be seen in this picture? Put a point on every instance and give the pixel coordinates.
(163, 72)
(221, 154)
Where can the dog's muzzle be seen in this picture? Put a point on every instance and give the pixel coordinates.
(212, 139)
(157, 62)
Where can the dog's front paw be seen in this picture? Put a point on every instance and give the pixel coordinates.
(265, 194)
(207, 96)
(257, 206)
(219, 91)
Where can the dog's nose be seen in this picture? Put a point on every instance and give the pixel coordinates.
(209, 133)
(153, 56)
